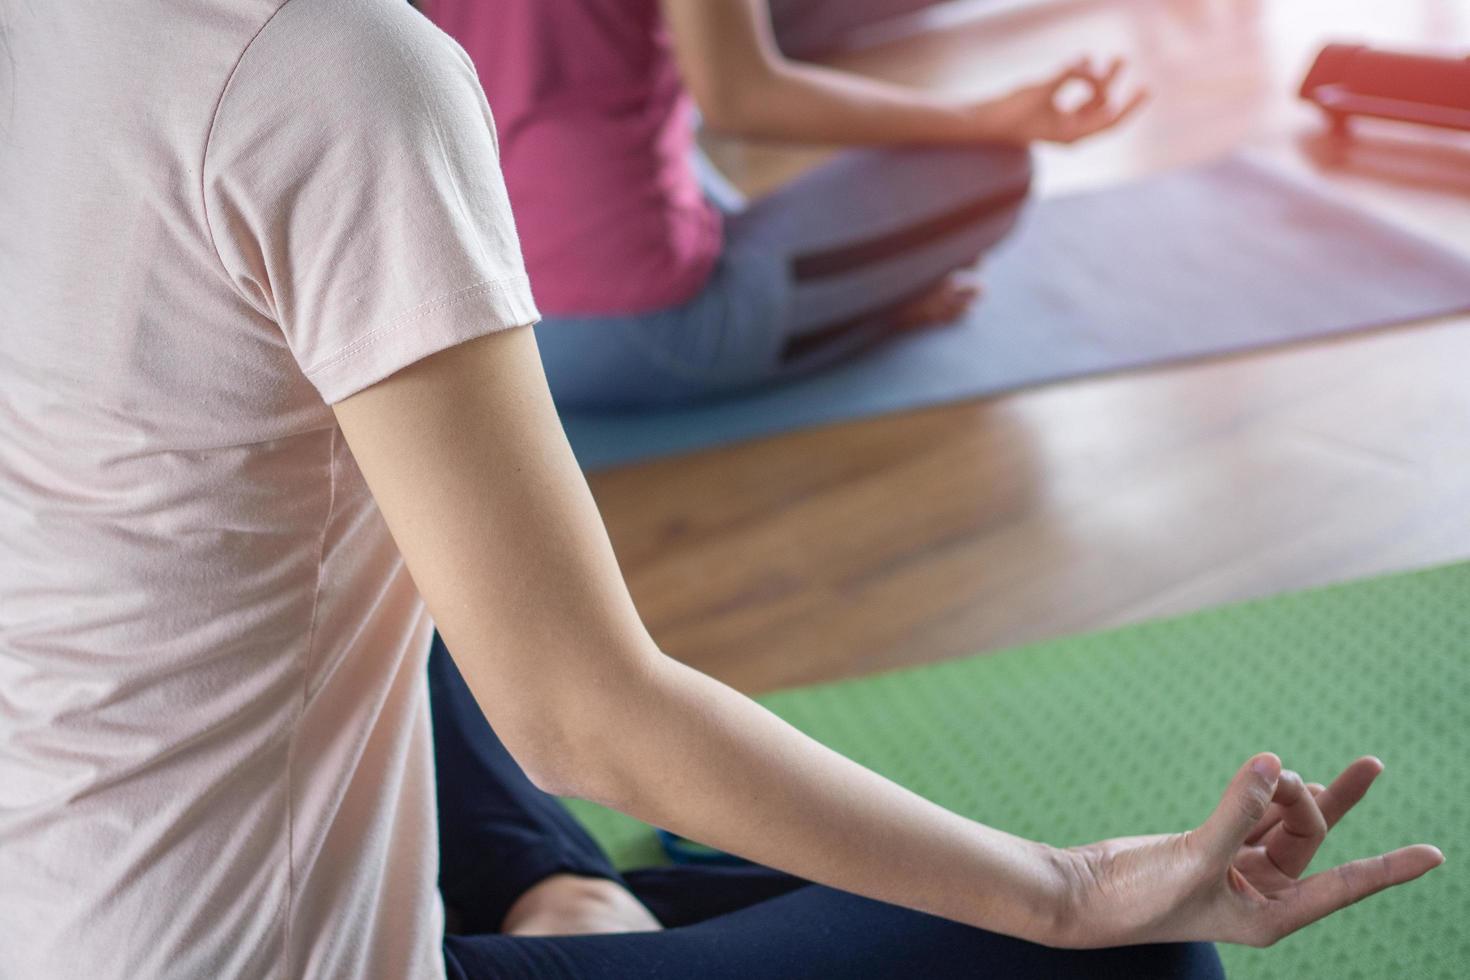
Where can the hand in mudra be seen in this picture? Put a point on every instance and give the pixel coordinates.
(1238, 877)
(1037, 112)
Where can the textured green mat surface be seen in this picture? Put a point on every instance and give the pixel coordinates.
(1137, 730)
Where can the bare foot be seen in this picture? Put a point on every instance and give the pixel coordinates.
(572, 905)
(945, 302)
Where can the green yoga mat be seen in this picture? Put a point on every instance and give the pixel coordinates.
(1137, 730)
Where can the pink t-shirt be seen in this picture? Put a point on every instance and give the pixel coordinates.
(217, 218)
(596, 132)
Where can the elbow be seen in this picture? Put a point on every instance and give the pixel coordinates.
(540, 743)
(564, 749)
(585, 768)
(573, 732)
(552, 776)
(735, 106)
(550, 758)
(725, 113)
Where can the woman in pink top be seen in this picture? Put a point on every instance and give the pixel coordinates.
(657, 282)
(266, 379)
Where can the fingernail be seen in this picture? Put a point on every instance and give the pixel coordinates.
(1266, 765)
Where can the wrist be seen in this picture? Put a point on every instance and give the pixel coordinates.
(988, 122)
(1061, 912)
(1043, 905)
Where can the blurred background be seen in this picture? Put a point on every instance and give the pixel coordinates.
(941, 532)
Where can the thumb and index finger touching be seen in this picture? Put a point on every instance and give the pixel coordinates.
(1243, 808)
(1097, 112)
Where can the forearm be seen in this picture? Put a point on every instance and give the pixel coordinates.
(680, 750)
(746, 86)
(800, 102)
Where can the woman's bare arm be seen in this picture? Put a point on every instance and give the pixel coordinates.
(466, 457)
(468, 462)
(745, 86)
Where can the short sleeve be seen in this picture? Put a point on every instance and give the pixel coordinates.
(353, 193)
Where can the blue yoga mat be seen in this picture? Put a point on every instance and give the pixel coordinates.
(1209, 260)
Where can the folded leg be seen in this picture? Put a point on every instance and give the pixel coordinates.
(872, 227)
(812, 273)
(813, 931)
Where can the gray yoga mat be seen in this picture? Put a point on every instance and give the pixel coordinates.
(1209, 260)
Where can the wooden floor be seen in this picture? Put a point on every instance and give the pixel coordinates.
(977, 526)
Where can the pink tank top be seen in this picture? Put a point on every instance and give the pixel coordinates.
(595, 139)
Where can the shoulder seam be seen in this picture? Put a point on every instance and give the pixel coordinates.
(209, 139)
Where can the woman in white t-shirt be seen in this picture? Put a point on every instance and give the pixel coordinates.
(264, 329)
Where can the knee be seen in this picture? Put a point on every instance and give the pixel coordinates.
(993, 169)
